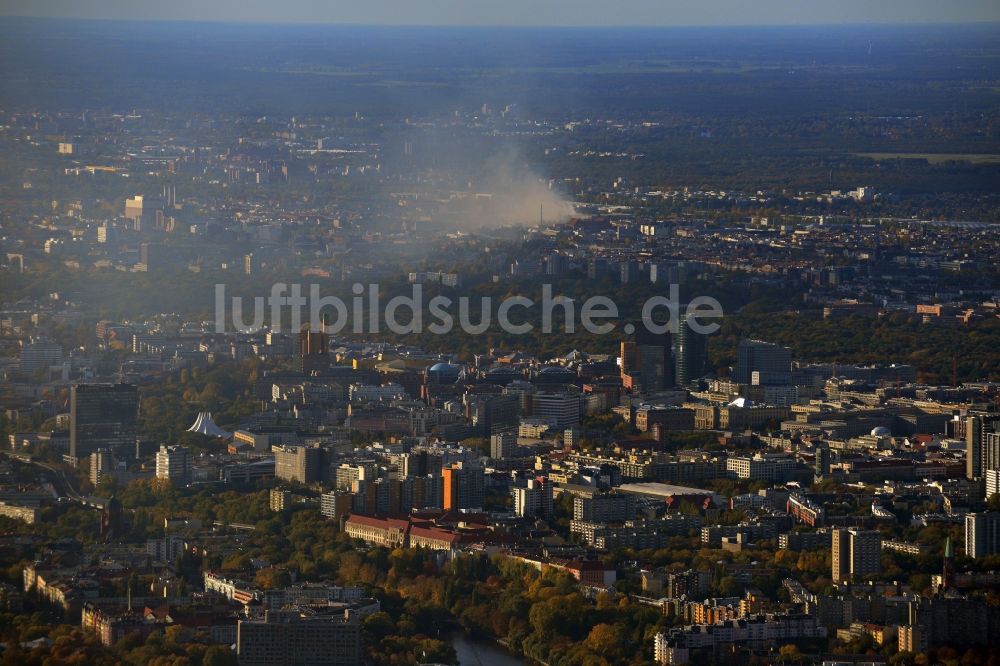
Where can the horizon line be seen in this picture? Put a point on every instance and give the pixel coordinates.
(525, 26)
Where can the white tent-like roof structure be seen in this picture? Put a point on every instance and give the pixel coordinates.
(206, 426)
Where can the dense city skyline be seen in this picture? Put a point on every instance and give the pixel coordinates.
(338, 345)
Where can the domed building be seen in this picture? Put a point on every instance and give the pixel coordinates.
(444, 373)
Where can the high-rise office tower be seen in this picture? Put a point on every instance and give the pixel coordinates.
(534, 499)
(312, 351)
(653, 363)
(992, 478)
(419, 463)
(376, 497)
(856, 554)
(822, 461)
(990, 454)
(763, 363)
(101, 466)
(463, 487)
(982, 534)
(421, 492)
(503, 445)
(102, 416)
(840, 556)
(630, 357)
(690, 352)
(299, 463)
(651, 356)
(561, 410)
(524, 392)
(982, 445)
(335, 504)
(497, 413)
(174, 464)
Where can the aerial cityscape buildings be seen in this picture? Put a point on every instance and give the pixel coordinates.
(362, 345)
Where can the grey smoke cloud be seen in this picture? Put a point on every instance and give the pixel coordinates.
(506, 190)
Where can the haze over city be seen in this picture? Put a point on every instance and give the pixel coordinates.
(647, 333)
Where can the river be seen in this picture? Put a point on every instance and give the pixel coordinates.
(475, 652)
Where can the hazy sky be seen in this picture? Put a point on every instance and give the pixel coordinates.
(520, 12)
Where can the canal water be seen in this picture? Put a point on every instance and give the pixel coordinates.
(475, 652)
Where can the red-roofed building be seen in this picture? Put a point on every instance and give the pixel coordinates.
(444, 531)
(593, 573)
(434, 538)
(389, 532)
